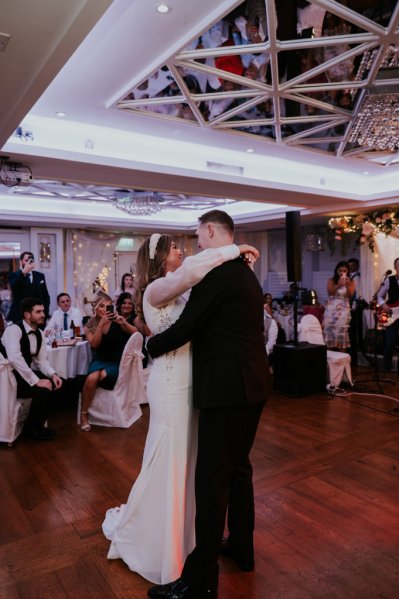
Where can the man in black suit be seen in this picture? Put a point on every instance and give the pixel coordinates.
(27, 282)
(231, 382)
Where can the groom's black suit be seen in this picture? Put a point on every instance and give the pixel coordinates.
(231, 382)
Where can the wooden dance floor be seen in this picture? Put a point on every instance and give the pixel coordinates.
(326, 474)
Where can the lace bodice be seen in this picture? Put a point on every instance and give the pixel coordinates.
(160, 319)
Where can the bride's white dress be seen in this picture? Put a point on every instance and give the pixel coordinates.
(154, 532)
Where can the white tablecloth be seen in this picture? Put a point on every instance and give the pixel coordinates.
(286, 321)
(71, 361)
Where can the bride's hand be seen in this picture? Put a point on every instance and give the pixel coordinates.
(248, 253)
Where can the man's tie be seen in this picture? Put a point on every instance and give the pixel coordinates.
(65, 321)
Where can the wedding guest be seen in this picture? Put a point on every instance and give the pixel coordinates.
(107, 332)
(5, 299)
(64, 315)
(2, 324)
(268, 299)
(126, 285)
(125, 307)
(27, 282)
(21, 343)
(337, 315)
(388, 294)
(270, 330)
(311, 305)
(356, 323)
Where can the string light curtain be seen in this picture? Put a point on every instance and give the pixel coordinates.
(90, 256)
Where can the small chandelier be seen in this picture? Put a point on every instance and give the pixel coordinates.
(139, 203)
(314, 242)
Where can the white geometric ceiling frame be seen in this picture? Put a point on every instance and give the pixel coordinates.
(100, 193)
(373, 36)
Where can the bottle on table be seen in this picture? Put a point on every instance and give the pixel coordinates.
(72, 329)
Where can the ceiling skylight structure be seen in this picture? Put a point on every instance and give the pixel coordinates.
(296, 80)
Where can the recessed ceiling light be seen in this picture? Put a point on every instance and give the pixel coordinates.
(250, 150)
(163, 9)
(60, 114)
(365, 172)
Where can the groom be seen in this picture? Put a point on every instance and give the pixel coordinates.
(231, 382)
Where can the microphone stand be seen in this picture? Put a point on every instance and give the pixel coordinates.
(374, 363)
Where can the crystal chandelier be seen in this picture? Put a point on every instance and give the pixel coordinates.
(139, 203)
(377, 123)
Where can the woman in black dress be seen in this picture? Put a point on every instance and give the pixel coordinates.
(107, 332)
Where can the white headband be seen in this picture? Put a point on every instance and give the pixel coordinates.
(153, 245)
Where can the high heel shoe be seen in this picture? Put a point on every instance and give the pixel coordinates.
(84, 427)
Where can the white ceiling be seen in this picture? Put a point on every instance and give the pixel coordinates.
(82, 56)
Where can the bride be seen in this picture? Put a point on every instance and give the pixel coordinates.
(154, 531)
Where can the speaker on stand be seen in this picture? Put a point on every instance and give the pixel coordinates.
(294, 258)
(298, 368)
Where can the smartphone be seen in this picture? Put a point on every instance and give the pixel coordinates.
(31, 261)
(110, 309)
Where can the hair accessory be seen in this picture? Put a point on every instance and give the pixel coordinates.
(153, 244)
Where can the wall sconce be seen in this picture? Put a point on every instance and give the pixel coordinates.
(315, 242)
(45, 254)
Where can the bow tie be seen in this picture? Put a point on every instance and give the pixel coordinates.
(35, 333)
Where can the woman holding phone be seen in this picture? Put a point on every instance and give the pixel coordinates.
(107, 332)
(338, 314)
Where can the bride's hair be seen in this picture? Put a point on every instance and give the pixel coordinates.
(148, 269)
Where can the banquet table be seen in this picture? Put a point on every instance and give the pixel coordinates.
(70, 361)
(286, 321)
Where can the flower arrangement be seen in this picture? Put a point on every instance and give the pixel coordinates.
(366, 226)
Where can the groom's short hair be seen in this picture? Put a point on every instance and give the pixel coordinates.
(219, 218)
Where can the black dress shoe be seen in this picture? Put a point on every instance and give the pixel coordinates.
(179, 589)
(40, 434)
(245, 564)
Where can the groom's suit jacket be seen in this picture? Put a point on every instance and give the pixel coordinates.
(224, 320)
(21, 287)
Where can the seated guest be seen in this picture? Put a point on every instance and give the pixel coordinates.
(126, 285)
(270, 330)
(311, 305)
(62, 317)
(107, 332)
(5, 300)
(268, 299)
(23, 344)
(125, 307)
(2, 324)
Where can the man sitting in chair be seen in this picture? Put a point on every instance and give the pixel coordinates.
(65, 314)
(23, 344)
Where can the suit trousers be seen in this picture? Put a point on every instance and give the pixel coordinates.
(223, 480)
(41, 404)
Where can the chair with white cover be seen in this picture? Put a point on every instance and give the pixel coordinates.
(339, 363)
(120, 407)
(13, 411)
